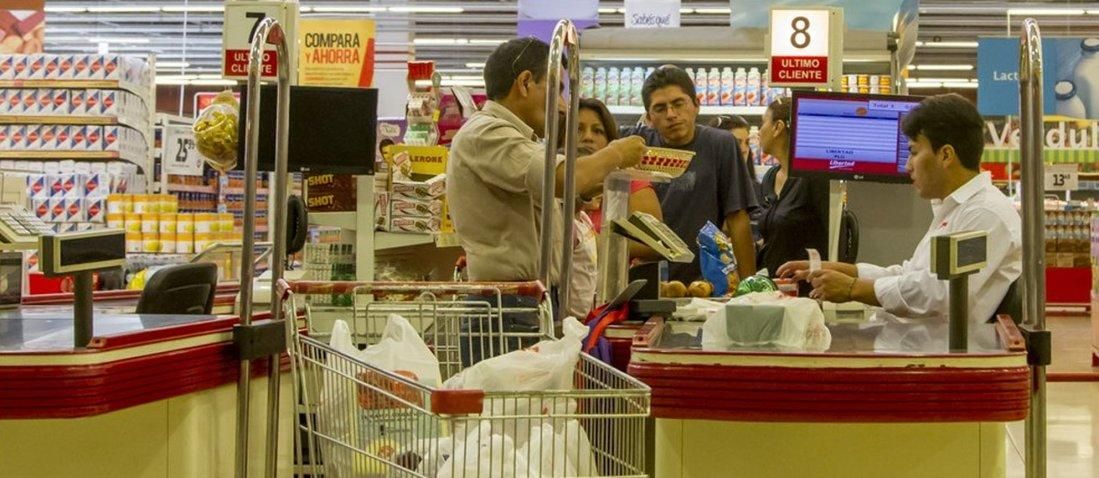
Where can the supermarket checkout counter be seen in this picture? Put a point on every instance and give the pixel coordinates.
(150, 396)
(857, 409)
(168, 383)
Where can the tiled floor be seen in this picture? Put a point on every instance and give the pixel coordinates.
(1072, 410)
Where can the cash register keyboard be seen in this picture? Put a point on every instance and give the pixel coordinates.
(19, 226)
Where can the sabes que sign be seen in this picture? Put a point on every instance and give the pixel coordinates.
(805, 46)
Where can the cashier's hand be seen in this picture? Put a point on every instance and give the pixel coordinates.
(831, 286)
(629, 149)
(797, 270)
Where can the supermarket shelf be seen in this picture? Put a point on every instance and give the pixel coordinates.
(396, 240)
(73, 120)
(705, 110)
(187, 188)
(343, 220)
(241, 191)
(66, 155)
(143, 93)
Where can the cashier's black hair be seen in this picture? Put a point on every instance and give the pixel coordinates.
(949, 119)
(512, 58)
(667, 75)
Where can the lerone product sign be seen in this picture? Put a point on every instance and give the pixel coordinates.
(1070, 78)
(336, 52)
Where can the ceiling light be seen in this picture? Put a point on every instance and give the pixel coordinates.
(426, 9)
(475, 65)
(485, 41)
(924, 84)
(607, 10)
(118, 40)
(960, 84)
(1045, 11)
(713, 11)
(172, 64)
(53, 9)
(476, 83)
(174, 79)
(958, 67)
(440, 41)
(947, 44)
(464, 77)
(348, 9)
(124, 9)
(686, 10)
(943, 80)
(194, 9)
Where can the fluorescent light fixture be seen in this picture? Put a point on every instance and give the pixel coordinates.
(947, 44)
(209, 77)
(53, 9)
(686, 10)
(194, 9)
(713, 11)
(944, 67)
(1044, 11)
(118, 40)
(124, 9)
(943, 80)
(607, 10)
(426, 9)
(348, 9)
(960, 84)
(464, 77)
(174, 79)
(172, 64)
(475, 65)
(485, 41)
(440, 41)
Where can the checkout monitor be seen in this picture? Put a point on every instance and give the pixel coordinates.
(850, 136)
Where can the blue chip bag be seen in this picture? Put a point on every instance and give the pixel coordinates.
(715, 256)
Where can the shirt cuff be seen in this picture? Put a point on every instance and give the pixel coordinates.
(888, 292)
(869, 271)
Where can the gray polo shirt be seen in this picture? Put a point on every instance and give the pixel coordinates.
(494, 190)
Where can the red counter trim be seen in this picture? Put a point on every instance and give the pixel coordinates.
(35, 392)
(223, 291)
(782, 394)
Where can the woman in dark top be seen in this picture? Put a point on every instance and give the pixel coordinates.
(795, 209)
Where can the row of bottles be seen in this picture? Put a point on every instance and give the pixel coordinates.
(725, 87)
(714, 87)
(614, 86)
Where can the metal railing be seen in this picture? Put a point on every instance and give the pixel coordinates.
(268, 32)
(1034, 283)
(564, 35)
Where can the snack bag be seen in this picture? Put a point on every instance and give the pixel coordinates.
(756, 283)
(216, 132)
(715, 256)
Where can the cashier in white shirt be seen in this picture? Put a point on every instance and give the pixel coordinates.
(945, 143)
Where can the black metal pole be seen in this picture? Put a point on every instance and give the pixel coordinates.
(959, 314)
(82, 309)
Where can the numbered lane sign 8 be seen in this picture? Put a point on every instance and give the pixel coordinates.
(805, 46)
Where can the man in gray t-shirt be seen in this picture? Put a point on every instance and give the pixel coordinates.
(717, 186)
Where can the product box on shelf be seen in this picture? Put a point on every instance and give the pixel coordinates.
(77, 99)
(421, 190)
(36, 67)
(403, 206)
(419, 225)
(5, 137)
(108, 103)
(381, 211)
(17, 137)
(34, 137)
(7, 67)
(65, 67)
(91, 102)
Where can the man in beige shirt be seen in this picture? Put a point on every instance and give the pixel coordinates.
(495, 171)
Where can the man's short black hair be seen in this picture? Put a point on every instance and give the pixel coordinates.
(509, 60)
(667, 75)
(949, 119)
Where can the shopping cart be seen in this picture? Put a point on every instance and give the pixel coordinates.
(362, 421)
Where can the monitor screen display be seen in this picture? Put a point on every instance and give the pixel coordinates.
(850, 136)
(332, 130)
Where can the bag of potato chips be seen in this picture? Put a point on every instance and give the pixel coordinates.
(216, 132)
(716, 259)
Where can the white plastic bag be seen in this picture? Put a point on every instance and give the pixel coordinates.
(562, 452)
(400, 351)
(800, 327)
(484, 454)
(548, 365)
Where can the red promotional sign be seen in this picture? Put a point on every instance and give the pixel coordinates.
(799, 69)
(236, 63)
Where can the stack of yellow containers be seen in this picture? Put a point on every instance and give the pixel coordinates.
(154, 225)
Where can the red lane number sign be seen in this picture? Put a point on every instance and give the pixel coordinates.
(799, 47)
